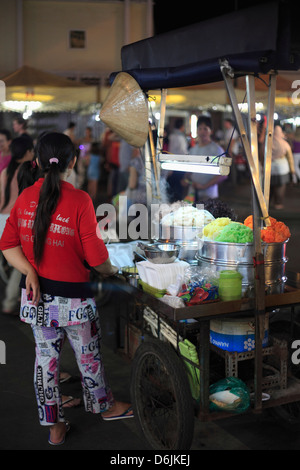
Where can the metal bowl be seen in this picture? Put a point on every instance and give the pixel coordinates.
(162, 253)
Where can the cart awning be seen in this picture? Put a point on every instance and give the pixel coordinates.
(252, 40)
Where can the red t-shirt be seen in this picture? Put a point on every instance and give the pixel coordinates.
(72, 237)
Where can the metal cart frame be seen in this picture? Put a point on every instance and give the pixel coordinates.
(261, 303)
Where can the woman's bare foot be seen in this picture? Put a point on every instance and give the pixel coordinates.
(119, 410)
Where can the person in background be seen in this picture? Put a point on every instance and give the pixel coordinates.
(178, 145)
(83, 158)
(70, 132)
(296, 152)
(20, 126)
(282, 168)
(21, 151)
(125, 154)
(261, 136)
(111, 149)
(205, 186)
(52, 247)
(5, 152)
(93, 171)
(231, 144)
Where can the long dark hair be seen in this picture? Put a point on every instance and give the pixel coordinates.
(19, 147)
(54, 152)
(28, 174)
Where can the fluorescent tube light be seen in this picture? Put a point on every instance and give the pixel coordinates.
(191, 167)
(196, 163)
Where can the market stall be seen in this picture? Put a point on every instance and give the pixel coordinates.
(172, 376)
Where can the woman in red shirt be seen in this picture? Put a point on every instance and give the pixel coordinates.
(51, 238)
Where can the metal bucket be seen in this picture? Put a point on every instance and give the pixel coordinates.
(239, 256)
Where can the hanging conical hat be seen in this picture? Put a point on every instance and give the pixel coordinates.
(125, 110)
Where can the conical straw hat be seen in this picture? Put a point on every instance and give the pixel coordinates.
(125, 110)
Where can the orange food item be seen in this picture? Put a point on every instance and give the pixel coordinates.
(276, 232)
(249, 221)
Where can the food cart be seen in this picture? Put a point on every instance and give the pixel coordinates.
(169, 383)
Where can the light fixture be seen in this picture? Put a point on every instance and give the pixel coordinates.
(22, 106)
(211, 165)
(20, 96)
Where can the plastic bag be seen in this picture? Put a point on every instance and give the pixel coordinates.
(229, 394)
(173, 301)
(199, 285)
(201, 274)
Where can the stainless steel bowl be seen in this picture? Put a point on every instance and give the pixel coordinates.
(162, 253)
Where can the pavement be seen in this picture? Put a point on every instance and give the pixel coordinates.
(20, 429)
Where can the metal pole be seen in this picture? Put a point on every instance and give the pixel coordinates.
(154, 161)
(245, 142)
(258, 254)
(161, 127)
(148, 174)
(269, 138)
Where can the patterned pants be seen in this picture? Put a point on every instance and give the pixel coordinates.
(84, 339)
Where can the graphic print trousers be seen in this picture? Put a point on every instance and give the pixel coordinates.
(85, 342)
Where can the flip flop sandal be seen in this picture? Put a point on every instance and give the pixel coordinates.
(63, 440)
(67, 378)
(124, 415)
(68, 401)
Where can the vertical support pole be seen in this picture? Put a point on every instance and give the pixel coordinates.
(204, 351)
(269, 138)
(148, 174)
(255, 180)
(154, 161)
(258, 255)
(161, 127)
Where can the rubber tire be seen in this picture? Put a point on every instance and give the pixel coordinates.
(165, 390)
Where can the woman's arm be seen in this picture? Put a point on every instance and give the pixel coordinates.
(106, 269)
(18, 260)
(290, 159)
(133, 178)
(215, 180)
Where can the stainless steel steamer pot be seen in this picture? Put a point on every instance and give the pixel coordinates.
(239, 256)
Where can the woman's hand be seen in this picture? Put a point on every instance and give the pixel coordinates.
(33, 286)
(106, 269)
(17, 259)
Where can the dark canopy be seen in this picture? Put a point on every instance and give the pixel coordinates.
(253, 40)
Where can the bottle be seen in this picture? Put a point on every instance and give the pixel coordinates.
(230, 285)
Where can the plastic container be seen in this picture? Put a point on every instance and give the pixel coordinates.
(230, 285)
(236, 335)
(158, 293)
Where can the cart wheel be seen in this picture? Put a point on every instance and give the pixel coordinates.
(161, 396)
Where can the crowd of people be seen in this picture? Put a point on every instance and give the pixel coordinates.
(107, 166)
(41, 185)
